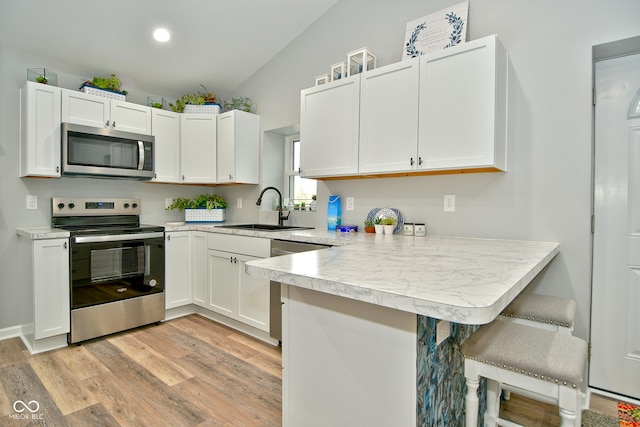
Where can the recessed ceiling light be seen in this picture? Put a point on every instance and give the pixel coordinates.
(161, 35)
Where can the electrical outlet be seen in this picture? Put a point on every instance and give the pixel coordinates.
(443, 330)
(32, 202)
(239, 202)
(351, 203)
(167, 202)
(449, 202)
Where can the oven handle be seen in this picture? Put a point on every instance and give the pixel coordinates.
(117, 237)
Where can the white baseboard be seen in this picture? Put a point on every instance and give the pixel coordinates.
(12, 332)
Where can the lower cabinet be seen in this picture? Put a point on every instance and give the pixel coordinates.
(232, 292)
(45, 310)
(177, 269)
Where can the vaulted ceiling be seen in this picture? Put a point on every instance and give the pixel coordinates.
(216, 43)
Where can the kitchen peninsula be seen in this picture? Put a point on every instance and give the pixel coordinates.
(360, 322)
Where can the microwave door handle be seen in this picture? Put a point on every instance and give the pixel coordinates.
(140, 155)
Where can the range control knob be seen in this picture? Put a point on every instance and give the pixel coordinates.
(153, 282)
(60, 205)
(126, 205)
(72, 205)
(135, 205)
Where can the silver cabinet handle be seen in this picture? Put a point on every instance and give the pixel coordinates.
(113, 124)
(107, 124)
(411, 162)
(64, 245)
(420, 160)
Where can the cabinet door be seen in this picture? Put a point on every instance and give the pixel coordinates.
(463, 100)
(389, 118)
(199, 268)
(177, 269)
(83, 109)
(51, 287)
(329, 117)
(253, 297)
(40, 125)
(165, 127)
(238, 147)
(222, 279)
(129, 117)
(198, 148)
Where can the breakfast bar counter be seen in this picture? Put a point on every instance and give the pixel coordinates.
(366, 332)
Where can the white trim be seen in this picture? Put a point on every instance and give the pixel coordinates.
(11, 332)
(618, 397)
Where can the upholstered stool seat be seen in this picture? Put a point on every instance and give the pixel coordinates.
(545, 364)
(544, 311)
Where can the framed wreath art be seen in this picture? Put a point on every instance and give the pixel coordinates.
(436, 31)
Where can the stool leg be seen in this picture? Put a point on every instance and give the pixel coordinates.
(506, 394)
(471, 402)
(568, 418)
(493, 403)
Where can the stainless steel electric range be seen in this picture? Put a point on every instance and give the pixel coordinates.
(116, 266)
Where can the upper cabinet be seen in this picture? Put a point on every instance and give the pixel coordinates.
(198, 134)
(442, 111)
(389, 118)
(90, 110)
(463, 106)
(40, 130)
(238, 147)
(165, 126)
(329, 116)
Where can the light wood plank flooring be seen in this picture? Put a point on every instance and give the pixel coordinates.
(185, 372)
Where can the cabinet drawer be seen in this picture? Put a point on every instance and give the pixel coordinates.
(254, 246)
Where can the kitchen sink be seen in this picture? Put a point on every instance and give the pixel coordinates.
(265, 227)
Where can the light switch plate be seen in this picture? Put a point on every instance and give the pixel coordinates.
(351, 201)
(32, 202)
(239, 203)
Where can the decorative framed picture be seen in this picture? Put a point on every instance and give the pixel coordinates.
(437, 31)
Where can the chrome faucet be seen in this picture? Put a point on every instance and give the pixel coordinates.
(281, 216)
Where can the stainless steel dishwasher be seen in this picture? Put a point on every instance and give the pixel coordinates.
(279, 248)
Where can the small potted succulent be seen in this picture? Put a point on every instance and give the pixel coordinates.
(368, 226)
(202, 208)
(378, 226)
(389, 225)
(111, 84)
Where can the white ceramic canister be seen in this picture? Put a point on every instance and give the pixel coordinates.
(407, 229)
(420, 229)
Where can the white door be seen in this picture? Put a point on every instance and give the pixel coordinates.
(615, 312)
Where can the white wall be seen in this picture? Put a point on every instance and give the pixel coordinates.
(546, 194)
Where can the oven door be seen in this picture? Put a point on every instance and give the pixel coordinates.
(110, 268)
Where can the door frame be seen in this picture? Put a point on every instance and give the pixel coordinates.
(603, 52)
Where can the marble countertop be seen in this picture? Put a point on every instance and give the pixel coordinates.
(462, 280)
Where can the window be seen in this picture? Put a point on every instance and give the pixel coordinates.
(299, 190)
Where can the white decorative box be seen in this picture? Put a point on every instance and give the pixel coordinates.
(360, 60)
(204, 215)
(203, 109)
(106, 93)
(323, 79)
(338, 71)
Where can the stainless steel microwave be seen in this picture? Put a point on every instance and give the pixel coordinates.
(101, 152)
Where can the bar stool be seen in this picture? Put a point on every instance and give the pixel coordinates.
(542, 311)
(541, 363)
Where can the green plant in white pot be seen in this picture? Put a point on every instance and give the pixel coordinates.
(201, 208)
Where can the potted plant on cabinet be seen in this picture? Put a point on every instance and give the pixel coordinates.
(110, 87)
(368, 226)
(202, 208)
(200, 102)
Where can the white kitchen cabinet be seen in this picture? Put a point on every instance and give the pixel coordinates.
(329, 116)
(238, 147)
(40, 130)
(389, 118)
(178, 269)
(463, 106)
(232, 292)
(97, 111)
(45, 308)
(199, 268)
(165, 127)
(198, 154)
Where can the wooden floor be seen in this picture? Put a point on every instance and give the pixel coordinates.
(185, 372)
